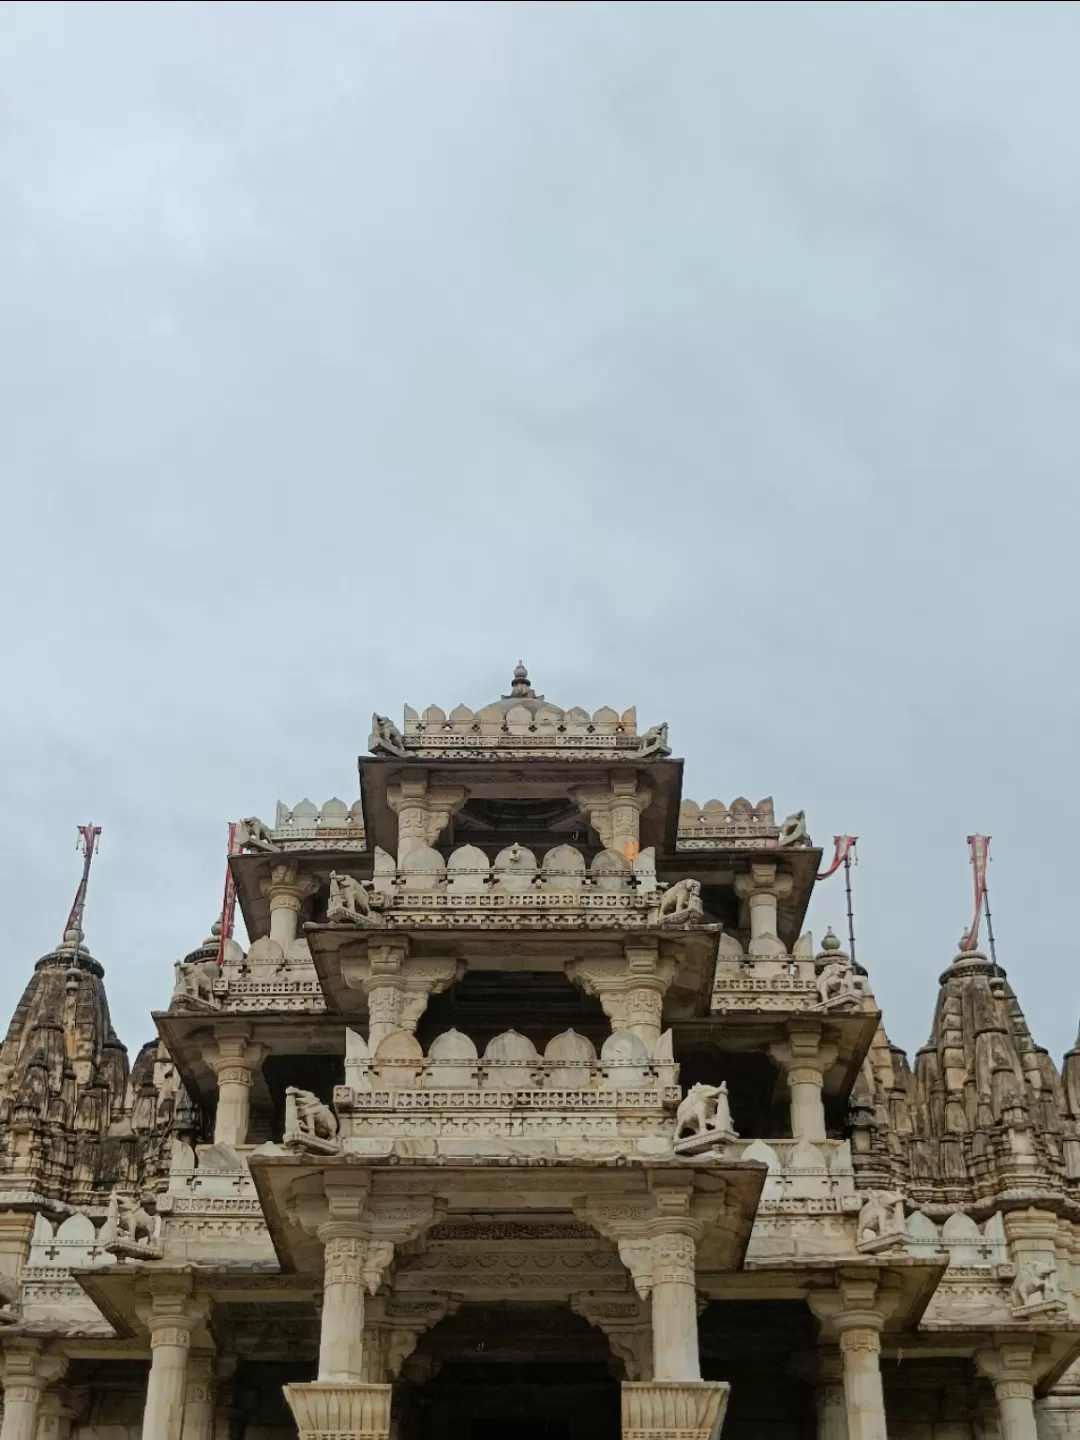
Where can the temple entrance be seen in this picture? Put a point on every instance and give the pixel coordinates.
(536, 1372)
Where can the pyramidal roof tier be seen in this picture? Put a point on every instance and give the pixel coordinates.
(516, 726)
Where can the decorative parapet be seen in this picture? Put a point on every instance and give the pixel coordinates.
(211, 1210)
(515, 891)
(740, 826)
(514, 731)
(334, 826)
(569, 1101)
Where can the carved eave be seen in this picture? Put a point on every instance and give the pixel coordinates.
(910, 1282)
(530, 778)
(484, 1187)
(116, 1291)
(280, 1033)
(335, 947)
(852, 1033)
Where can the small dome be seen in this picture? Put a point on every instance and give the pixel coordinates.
(523, 695)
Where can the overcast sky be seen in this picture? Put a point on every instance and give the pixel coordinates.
(720, 359)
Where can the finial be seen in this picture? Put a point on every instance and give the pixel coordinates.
(829, 941)
(521, 686)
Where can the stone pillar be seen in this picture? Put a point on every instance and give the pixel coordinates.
(423, 810)
(168, 1308)
(341, 1338)
(615, 811)
(631, 990)
(397, 988)
(829, 1394)
(763, 888)
(27, 1371)
(55, 1416)
(233, 1057)
(199, 1397)
(805, 1059)
(1008, 1367)
(674, 1307)
(853, 1315)
(864, 1395)
(286, 890)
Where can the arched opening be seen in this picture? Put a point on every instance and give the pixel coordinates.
(759, 1108)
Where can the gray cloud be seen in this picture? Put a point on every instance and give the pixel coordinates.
(717, 358)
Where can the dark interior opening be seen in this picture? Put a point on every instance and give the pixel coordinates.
(752, 1085)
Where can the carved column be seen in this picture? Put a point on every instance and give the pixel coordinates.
(397, 988)
(1008, 1367)
(27, 1371)
(55, 1416)
(630, 990)
(199, 1397)
(763, 888)
(358, 1233)
(233, 1057)
(423, 810)
(805, 1059)
(286, 890)
(657, 1238)
(829, 1395)
(170, 1312)
(615, 812)
(853, 1315)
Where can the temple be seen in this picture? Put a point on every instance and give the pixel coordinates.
(532, 1110)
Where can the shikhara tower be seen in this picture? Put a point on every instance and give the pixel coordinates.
(531, 1110)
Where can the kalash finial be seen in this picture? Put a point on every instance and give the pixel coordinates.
(521, 688)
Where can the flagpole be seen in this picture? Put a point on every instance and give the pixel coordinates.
(989, 925)
(850, 911)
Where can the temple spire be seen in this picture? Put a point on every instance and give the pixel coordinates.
(521, 687)
(89, 836)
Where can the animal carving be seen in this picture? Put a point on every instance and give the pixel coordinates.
(255, 834)
(793, 830)
(681, 902)
(704, 1109)
(127, 1223)
(349, 900)
(307, 1117)
(881, 1216)
(9, 1301)
(1036, 1284)
(196, 981)
(386, 738)
(837, 981)
(654, 742)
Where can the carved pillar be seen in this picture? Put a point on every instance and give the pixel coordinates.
(853, 1315)
(763, 888)
(615, 812)
(829, 1395)
(674, 1306)
(233, 1057)
(805, 1059)
(286, 890)
(170, 1312)
(630, 990)
(199, 1397)
(358, 1232)
(423, 810)
(341, 1339)
(657, 1237)
(55, 1416)
(397, 988)
(228, 1417)
(27, 1371)
(1008, 1367)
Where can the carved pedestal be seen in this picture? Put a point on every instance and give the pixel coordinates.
(324, 1411)
(673, 1410)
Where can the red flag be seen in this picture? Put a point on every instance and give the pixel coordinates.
(228, 903)
(844, 845)
(980, 855)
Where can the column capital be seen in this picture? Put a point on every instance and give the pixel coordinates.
(27, 1364)
(859, 1304)
(286, 887)
(167, 1304)
(1009, 1362)
(230, 1046)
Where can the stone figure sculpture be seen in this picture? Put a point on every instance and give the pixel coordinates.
(1036, 1286)
(128, 1229)
(837, 982)
(881, 1220)
(654, 742)
(681, 902)
(704, 1109)
(386, 738)
(255, 834)
(310, 1124)
(350, 902)
(792, 831)
(195, 981)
